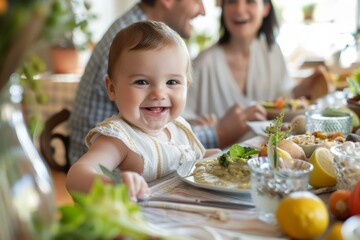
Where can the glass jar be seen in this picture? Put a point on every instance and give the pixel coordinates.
(269, 186)
(26, 190)
(315, 121)
(347, 168)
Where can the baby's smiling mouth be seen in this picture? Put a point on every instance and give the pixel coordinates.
(156, 109)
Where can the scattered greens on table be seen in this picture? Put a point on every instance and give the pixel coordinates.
(275, 135)
(236, 153)
(105, 213)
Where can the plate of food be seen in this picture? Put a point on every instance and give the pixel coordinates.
(227, 173)
(291, 107)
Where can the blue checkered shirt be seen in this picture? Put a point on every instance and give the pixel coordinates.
(91, 105)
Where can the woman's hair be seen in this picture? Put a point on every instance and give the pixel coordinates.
(268, 27)
(145, 35)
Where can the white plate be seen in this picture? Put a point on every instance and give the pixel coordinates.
(259, 127)
(185, 170)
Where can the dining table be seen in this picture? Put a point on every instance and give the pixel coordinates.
(189, 209)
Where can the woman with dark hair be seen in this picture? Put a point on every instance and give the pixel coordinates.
(244, 66)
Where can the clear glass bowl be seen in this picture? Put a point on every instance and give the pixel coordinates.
(269, 186)
(315, 121)
(347, 168)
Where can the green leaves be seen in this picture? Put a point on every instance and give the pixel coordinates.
(236, 153)
(105, 213)
(242, 152)
(275, 135)
(275, 129)
(354, 82)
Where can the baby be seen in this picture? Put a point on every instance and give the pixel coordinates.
(149, 72)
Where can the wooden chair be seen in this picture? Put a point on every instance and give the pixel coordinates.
(48, 135)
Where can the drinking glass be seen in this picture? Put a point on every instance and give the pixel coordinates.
(347, 168)
(269, 185)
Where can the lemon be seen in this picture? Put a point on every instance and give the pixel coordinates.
(335, 232)
(355, 117)
(284, 154)
(323, 174)
(302, 215)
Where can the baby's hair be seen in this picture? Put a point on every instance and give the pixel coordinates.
(145, 35)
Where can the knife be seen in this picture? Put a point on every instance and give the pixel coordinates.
(212, 203)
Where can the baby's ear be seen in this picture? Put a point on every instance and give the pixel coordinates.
(110, 88)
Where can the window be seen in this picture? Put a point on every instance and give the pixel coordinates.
(328, 31)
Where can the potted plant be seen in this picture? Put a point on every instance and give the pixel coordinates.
(74, 36)
(308, 12)
(354, 86)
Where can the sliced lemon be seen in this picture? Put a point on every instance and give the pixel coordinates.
(283, 154)
(324, 173)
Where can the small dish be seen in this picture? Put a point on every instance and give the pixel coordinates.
(309, 142)
(305, 142)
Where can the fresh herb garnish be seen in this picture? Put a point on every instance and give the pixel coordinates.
(275, 135)
(236, 153)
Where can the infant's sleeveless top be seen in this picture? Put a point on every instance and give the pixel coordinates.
(160, 157)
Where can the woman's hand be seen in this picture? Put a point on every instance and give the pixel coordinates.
(233, 124)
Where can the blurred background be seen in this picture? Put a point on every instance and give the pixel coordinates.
(311, 31)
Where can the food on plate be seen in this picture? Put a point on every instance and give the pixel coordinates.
(302, 215)
(287, 150)
(309, 142)
(293, 149)
(291, 107)
(298, 124)
(228, 170)
(324, 173)
(286, 103)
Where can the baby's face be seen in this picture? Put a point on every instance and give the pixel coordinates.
(150, 86)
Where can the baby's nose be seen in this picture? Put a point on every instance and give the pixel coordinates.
(158, 93)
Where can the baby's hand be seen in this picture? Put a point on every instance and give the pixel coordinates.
(136, 184)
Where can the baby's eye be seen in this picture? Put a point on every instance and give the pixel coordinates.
(172, 82)
(141, 82)
(251, 1)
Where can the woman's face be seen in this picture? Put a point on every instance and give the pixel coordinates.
(243, 18)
